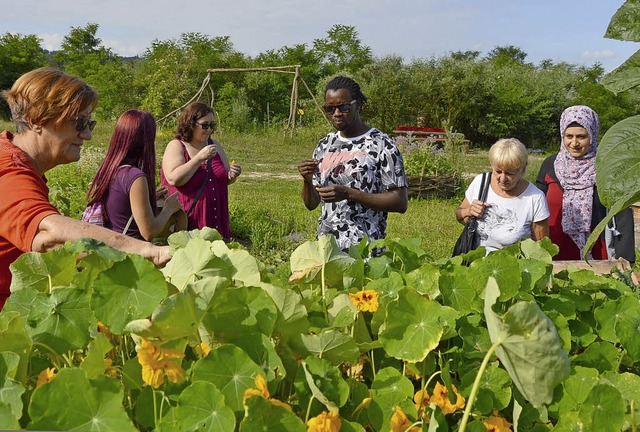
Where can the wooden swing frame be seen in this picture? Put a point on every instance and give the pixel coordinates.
(293, 102)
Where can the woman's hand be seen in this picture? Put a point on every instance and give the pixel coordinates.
(172, 204)
(234, 171)
(207, 152)
(161, 193)
(477, 208)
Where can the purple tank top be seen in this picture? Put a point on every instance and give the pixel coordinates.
(118, 204)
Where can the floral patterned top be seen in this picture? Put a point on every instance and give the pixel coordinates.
(371, 163)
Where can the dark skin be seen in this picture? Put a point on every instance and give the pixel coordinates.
(350, 125)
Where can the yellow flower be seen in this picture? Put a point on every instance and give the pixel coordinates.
(45, 376)
(155, 363)
(421, 400)
(108, 369)
(496, 423)
(365, 300)
(300, 111)
(261, 389)
(325, 422)
(441, 398)
(203, 349)
(400, 422)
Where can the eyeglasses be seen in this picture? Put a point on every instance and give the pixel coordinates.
(206, 126)
(344, 108)
(83, 122)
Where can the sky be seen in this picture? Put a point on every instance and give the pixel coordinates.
(560, 30)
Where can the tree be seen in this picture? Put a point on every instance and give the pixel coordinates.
(503, 55)
(18, 54)
(342, 49)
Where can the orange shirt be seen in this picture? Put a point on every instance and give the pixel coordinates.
(24, 202)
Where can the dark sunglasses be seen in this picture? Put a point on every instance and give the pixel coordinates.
(206, 126)
(82, 123)
(344, 108)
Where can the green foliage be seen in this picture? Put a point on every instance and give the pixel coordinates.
(18, 54)
(342, 50)
(310, 344)
(619, 152)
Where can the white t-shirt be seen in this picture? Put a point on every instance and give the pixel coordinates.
(508, 220)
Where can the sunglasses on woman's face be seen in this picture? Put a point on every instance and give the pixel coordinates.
(206, 126)
(343, 108)
(83, 122)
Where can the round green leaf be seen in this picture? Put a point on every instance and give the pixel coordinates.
(603, 410)
(577, 387)
(231, 370)
(412, 327)
(238, 311)
(530, 348)
(200, 407)
(501, 266)
(318, 378)
(262, 415)
(70, 401)
(333, 346)
(131, 289)
(461, 290)
(195, 261)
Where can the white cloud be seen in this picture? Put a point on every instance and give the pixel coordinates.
(51, 41)
(597, 55)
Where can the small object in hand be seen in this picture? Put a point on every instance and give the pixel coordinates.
(233, 162)
(317, 188)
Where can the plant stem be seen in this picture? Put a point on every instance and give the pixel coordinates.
(373, 364)
(634, 426)
(324, 300)
(306, 417)
(476, 386)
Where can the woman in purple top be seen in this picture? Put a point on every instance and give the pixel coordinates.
(197, 167)
(125, 182)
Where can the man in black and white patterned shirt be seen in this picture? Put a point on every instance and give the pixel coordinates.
(357, 172)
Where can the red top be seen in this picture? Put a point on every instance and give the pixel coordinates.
(419, 129)
(212, 208)
(24, 203)
(568, 249)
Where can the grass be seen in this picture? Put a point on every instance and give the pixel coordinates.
(267, 212)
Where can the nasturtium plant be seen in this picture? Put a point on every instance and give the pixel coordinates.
(216, 341)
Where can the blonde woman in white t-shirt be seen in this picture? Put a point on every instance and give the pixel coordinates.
(515, 209)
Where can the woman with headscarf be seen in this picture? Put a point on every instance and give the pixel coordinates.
(568, 179)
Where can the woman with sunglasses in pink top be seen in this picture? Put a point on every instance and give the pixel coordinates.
(356, 174)
(197, 167)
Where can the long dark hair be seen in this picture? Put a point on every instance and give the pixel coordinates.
(132, 143)
(188, 117)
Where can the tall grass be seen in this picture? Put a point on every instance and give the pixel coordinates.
(267, 212)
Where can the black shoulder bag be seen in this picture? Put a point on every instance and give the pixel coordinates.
(204, 183)
(469, 240)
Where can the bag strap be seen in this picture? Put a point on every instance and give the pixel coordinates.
(484, 186)
(204, 183)
(126, 227)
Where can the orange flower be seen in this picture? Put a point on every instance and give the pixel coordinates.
(203, 349)
(155, 364)
(400, 422)
(325, 422)
(496, 423)
(45, 376)
(441, 398)
(365, 300)
(421, 399)
(103, 329)
(108, 370)
(261, 389)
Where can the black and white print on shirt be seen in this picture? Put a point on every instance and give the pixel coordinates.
(371, 163)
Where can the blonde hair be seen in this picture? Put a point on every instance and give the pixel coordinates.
(48, 94)
(509, 153)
